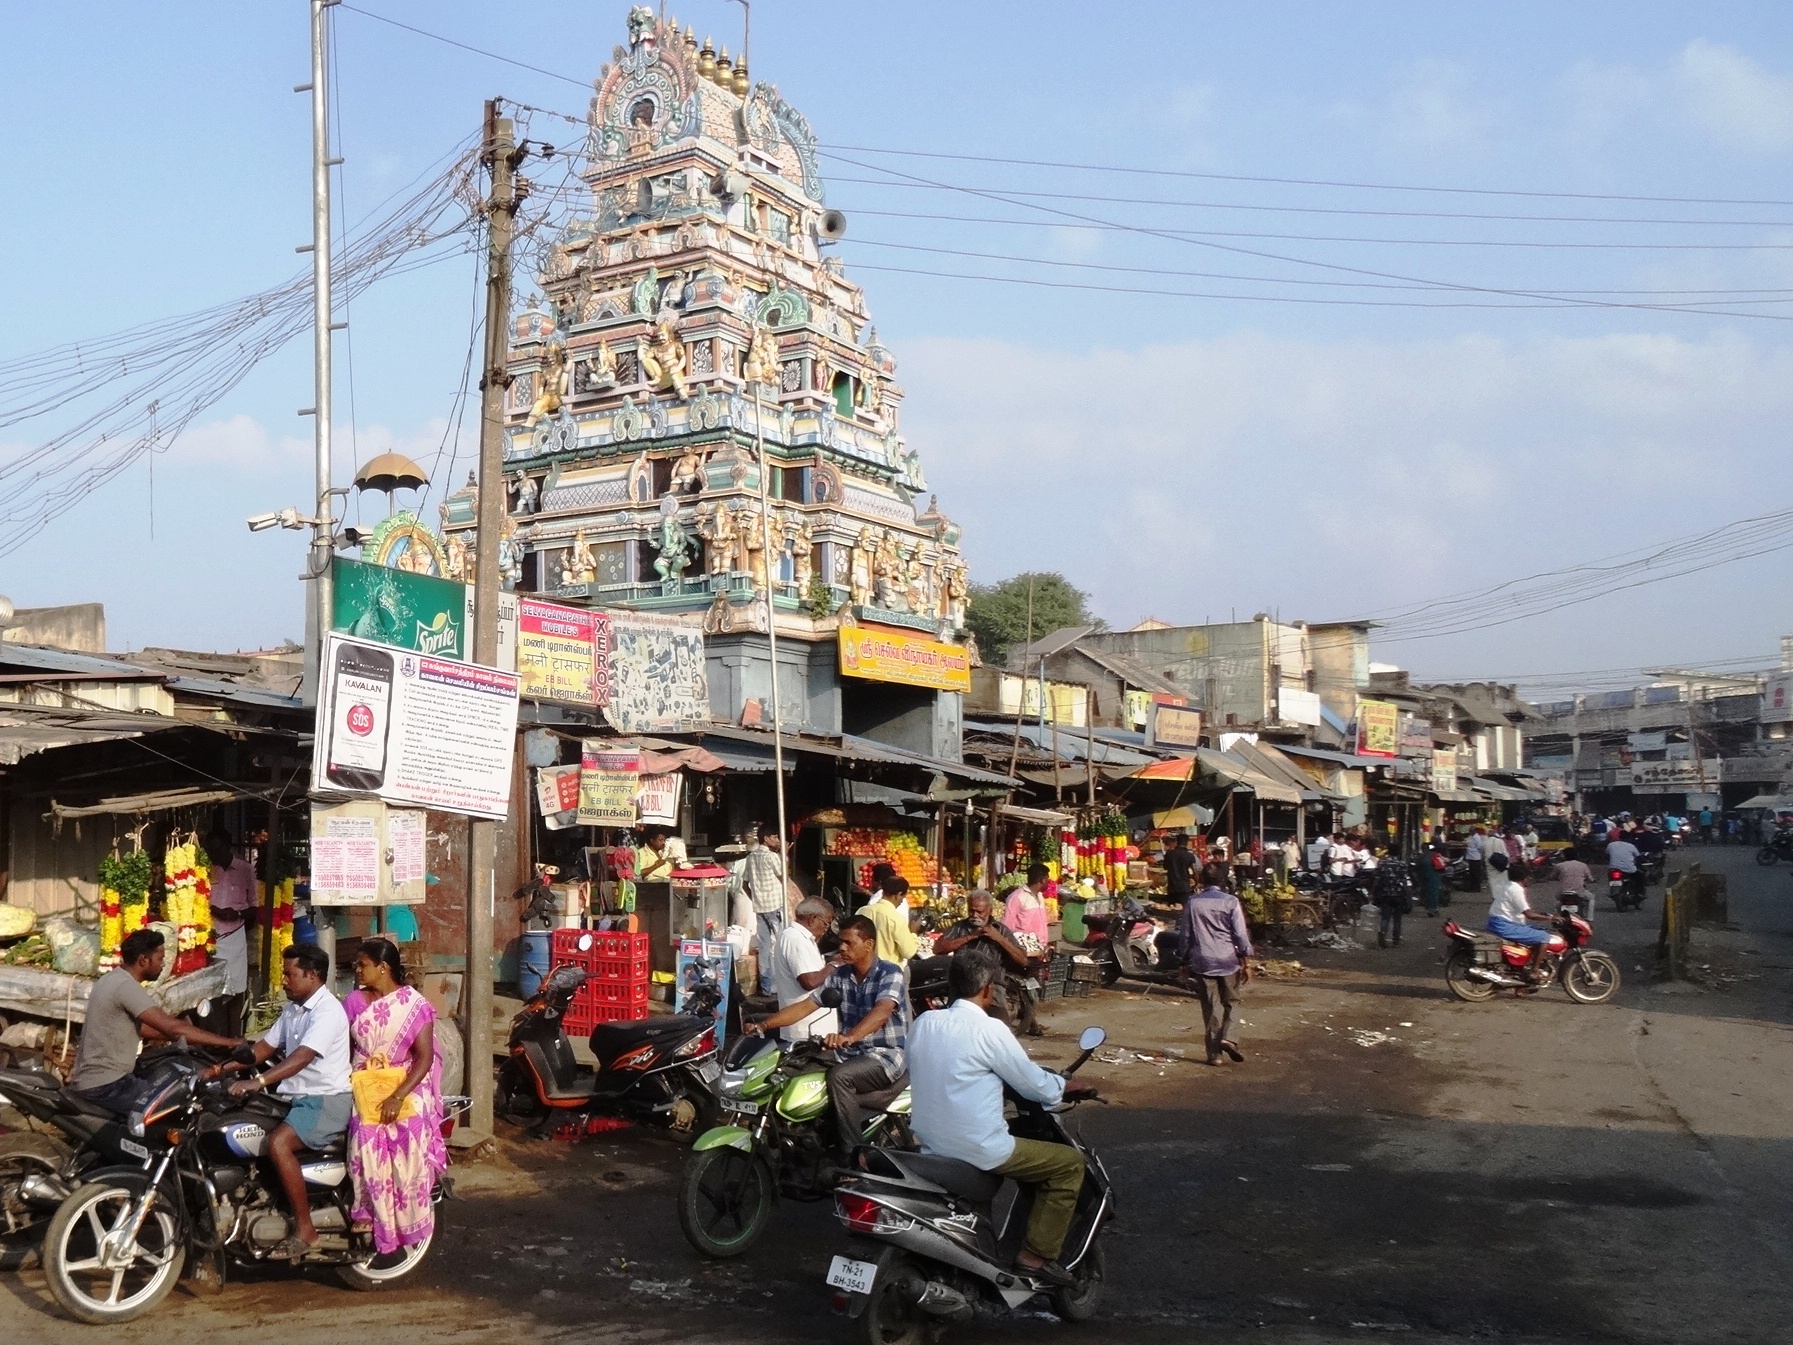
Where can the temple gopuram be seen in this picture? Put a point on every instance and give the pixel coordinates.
(685, 321)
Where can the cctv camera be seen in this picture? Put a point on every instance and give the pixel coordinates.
(262, 522)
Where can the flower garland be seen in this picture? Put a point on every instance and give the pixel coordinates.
(124, 902)
(187, 905)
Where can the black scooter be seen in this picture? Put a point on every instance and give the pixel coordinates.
(653, 1071)
(930, 1246)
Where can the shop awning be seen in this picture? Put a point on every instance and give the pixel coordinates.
(1780, 803)
(1270, 760)
(156, 801)
(748, 758)
(726, 741)
(1350, 759)
(1038, 816)
(1224, 766)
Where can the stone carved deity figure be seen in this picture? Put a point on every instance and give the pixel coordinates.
(687, 473)
(888, 575)
(553, 390)
(953, 593)
(802, 554)
(457, 558)
(510, 556)
(675, 548)
(581, 566)
(747, 526)
(664, 361)
(860, 577)
(753, 544)
(761, 364)
(715, 524)
(525, 494)
(600, 371)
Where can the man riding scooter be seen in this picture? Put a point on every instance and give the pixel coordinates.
(959, 1060)
(1508, 915)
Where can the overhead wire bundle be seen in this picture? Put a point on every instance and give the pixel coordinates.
(133, 392)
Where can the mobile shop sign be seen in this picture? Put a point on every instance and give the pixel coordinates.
(563, 653)
(912, 660)
(1378, 729)
(408, 728)
(608, 781)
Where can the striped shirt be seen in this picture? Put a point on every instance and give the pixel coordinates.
(762, 873)
(859, 996)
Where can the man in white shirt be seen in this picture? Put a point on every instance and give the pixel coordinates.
(1509, 912)
(959, 1060)
(798, 969)
(1621, 855)
(1341, 859)
(312, 1038)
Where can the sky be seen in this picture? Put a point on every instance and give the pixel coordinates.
(1218, 387)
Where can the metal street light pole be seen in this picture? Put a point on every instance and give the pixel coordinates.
(759, 435)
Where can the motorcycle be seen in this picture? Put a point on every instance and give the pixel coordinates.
(1779, 847)
(1129, 943)
(184, 1183)
(654, 1071)
(1480, 963)
(39, 1169)
(930, 1248)
(776, 1142)
(1627, 890)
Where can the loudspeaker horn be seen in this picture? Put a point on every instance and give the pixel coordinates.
(833, 225)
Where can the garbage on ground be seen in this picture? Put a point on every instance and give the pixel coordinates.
(1365, 1037)
(1338, 943)
(1278, 967)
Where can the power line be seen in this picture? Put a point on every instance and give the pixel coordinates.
(477, 51)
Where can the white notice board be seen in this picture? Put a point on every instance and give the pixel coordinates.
(364, 853)
(411, 728)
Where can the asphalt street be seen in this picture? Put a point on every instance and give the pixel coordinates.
(1387, 1162)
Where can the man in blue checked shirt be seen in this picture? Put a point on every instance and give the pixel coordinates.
(874, 1017)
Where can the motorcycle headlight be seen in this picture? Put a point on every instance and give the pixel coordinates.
(135, 1124)
(732, 1083)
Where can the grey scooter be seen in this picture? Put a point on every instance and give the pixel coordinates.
(934, 1237)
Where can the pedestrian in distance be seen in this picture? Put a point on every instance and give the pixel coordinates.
(1476, 853)
(1391, 888)
(1431, 875)
(762, 877)
(1213, 945)
(1180, 867)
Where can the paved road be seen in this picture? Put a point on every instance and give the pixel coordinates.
(1388, 1161)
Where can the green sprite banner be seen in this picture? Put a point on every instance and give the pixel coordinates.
(395, 607)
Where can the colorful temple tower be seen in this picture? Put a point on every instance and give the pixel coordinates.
(689, 321)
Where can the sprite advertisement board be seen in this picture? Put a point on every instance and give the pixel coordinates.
(395, 607)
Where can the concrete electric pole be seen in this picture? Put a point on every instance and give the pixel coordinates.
(501, 158)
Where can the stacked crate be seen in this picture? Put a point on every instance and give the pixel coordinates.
(616, 977)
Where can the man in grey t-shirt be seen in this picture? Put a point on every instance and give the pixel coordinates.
(120, 1013)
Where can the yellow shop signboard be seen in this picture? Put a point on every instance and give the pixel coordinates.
(882, 655)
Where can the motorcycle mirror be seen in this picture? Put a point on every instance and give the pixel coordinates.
(829, 998)
(585, 942)
(1092, 1038)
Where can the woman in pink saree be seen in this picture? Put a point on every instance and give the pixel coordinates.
(395, 1162)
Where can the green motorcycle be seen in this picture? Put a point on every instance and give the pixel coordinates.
(779, 1142)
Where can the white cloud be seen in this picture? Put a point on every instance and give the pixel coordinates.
(1435, 108)
(1335, 479)
(1734, 99)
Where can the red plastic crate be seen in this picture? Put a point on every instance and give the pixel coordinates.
(579, 1019)
(620, 1013)
(610, 946)
(621, 970)
(612, 993)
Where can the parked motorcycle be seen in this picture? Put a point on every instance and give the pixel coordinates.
(184, 1182)
(1480, 963)
(777, 1141)
(929, 1247)
(1779, 847)
(654, 1071)
(40, 1168)
(1129, 942)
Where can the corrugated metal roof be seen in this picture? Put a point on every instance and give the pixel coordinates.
(1133, 672)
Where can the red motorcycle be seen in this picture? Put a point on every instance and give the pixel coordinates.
(1480, 963)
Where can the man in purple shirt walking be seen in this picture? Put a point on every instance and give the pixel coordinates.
(1213, 943)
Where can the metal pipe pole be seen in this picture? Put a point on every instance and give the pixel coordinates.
(323, 540)
(759, 438)
(501, 159)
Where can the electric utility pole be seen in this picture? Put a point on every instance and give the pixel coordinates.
(501, 157)
(323, 528)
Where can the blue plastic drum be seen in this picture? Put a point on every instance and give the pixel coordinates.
(534, 964)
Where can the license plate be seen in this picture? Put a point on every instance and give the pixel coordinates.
(708, 1070)
(744, 1108)
(135, 1149)
(854, 1276)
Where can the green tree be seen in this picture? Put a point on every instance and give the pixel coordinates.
(997, 613)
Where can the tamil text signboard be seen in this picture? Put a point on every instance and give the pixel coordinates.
(1173, 725)
(1444, 772)
(407, 728)
(1777, 699)
(880, 655)
(608, 780)
(1378, 729)
(563, 653)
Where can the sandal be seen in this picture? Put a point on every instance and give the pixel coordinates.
(293, 1248)
(1233, 1051)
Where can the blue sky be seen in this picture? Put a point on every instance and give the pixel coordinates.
(1183, 456)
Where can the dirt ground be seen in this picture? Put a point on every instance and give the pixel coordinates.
(1387, 1161)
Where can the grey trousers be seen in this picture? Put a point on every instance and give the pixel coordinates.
(769, 925)
(846, 1081)
(1220, 1003)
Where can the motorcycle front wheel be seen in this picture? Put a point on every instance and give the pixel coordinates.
(1464, 986)
(725, 1201)
(1592, 978)
(889, 1318)
(1078, 1301)
(100, 1289)
(1768, 856)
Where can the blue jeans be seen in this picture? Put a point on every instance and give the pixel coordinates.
(770, 925)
